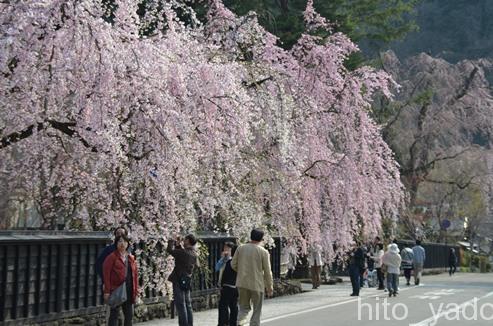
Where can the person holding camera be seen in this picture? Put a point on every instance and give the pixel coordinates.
(356, 268)
(185, 256)
(228, 302)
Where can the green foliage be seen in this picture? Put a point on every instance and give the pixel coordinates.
(479, 262)
(203, 272)
(386, 110)
(375, 22)
(423, 98)
(388, 225)
(474, 205)
(454, 30)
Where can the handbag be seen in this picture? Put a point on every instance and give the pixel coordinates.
(185, 282)
(119, 295)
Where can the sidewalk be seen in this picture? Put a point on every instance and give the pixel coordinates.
(326, 294)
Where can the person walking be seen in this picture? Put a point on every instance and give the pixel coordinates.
(108, 250)
(120, 269)
(254, 277)
(290, 257)
(228, 301)
(377, 259)
(185, 256)
(315, 263)
(407, 263)
(452, 262)
(356, 266)
(419, 257)
(392, 259)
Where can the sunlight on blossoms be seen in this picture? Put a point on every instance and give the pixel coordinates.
(191, 126)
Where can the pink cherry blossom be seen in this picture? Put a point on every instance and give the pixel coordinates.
(195, 127)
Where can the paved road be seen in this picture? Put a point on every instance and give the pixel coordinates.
(465, 299)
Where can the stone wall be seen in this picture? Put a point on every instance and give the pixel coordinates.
(157, 308)
(205, 301)
(94, 316)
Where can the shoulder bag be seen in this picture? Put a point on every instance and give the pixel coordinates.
(185, 282)
(119, 295)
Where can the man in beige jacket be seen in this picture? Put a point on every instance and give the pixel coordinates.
(252, 264)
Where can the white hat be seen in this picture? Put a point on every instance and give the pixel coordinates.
(393, 247)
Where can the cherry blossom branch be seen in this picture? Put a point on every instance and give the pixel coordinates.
(64, 127)
(257, 82)
(321, 161)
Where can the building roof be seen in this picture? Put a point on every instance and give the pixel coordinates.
(52, 236)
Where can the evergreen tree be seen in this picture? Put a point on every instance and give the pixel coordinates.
(372, 23)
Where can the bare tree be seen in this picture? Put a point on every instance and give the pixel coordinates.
(441, 117)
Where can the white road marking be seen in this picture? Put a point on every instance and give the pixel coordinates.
(327, 306)
(434, 295)
(432, 320)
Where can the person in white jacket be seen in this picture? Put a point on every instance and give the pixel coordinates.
(392, 259)
(377, 258)
(315, 261)
(289, 258)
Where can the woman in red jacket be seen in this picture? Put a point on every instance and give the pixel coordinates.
(114, 276)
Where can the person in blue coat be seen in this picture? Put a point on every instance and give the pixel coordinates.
(228, 302)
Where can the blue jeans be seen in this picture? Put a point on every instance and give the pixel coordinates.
(183, 304)
(392, 282)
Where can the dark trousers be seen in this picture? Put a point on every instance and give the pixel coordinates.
(228, 307)
(128, 313)
(183, 304)
(407, 274)
(354, 274)
(315, 273)
(452, 269)
(380, 278)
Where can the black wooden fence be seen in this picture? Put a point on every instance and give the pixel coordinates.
(45, 275)
(203, 284)
(437, 254)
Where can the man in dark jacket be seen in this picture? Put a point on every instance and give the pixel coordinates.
(108, 250)
(181, 276)
(356, 266)
(228, 302)
(452, 262)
